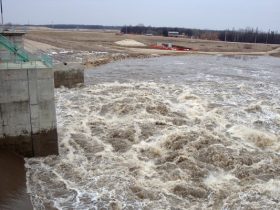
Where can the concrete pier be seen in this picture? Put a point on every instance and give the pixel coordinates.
(69, 75)
(27, 110)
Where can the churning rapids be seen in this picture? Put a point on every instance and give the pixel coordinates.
(192, 132)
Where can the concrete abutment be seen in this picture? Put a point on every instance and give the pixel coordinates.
(27, 112)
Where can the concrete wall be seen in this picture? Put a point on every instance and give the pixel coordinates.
(68, 75)
(27, 112)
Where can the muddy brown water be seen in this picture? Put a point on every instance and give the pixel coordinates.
(192, 132)
(13, 192)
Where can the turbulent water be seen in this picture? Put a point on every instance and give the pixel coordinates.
(195, 132)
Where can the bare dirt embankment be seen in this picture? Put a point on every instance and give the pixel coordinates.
(97, 47)
(75, 50)
(105, 41)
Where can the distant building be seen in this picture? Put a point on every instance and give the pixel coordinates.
(173, 34)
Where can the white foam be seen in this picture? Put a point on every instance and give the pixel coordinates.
(220, 180)
(134, 143)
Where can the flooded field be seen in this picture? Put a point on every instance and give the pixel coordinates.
(193, 132)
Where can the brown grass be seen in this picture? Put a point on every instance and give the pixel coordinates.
(98, 40)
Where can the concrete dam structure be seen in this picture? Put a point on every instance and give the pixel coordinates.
(27, 106)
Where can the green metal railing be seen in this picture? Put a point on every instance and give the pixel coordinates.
(19, 56)
(47, 60)
(41, 61)
(21, 53)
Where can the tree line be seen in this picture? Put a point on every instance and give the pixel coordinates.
(243, 35)
(65, 26)
(80, 26)
(249, 35)
(72, 26)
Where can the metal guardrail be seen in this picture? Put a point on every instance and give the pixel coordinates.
(21, 65)
(47, 60)
(21, 53)
(41, 61)
(19, 56)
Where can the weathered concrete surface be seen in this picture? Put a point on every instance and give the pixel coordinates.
(69, 75)
(27, 111)
(20, 144)
(45, 143)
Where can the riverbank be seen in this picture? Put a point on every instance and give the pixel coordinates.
(106, 41)
(92, 48)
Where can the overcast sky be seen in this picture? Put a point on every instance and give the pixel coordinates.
(203, 14)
